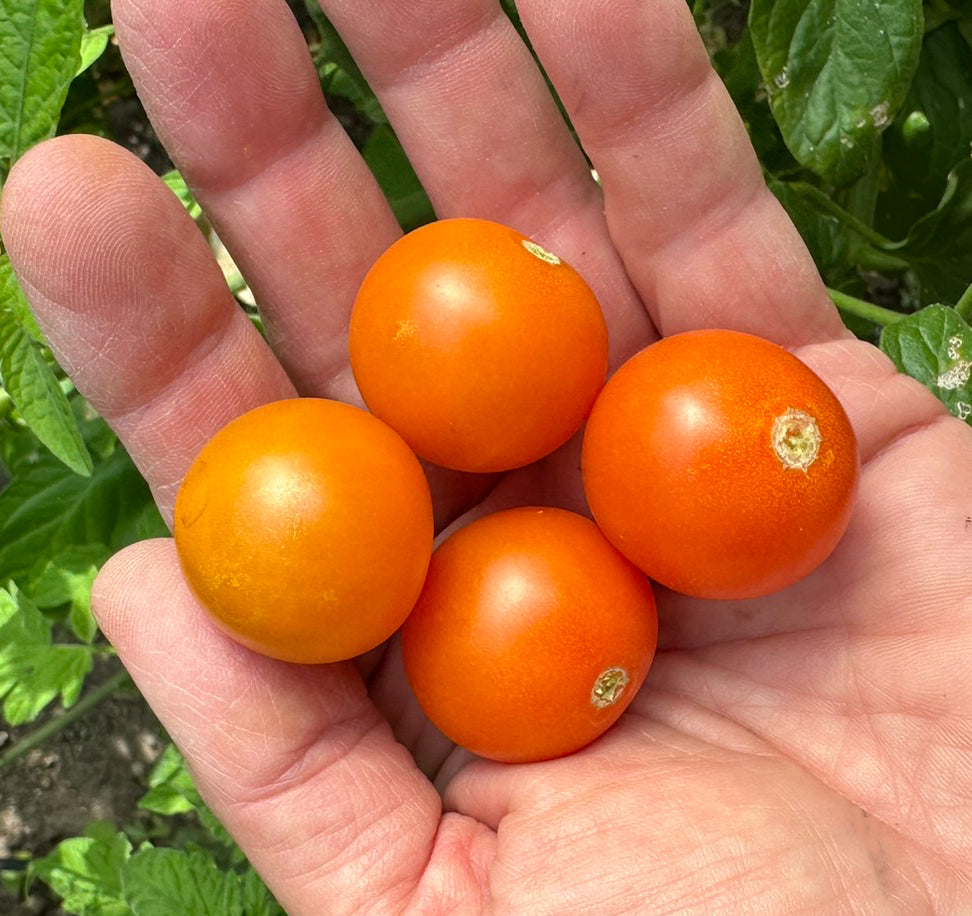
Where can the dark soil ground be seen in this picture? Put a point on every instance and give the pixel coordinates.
(94, 769)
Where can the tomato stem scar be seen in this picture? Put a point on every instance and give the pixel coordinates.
(538, 251)
(796, 439)
(608, 687)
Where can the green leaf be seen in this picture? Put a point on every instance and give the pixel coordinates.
(257, 899)
(387, 160)
(30, 380)
(337, 69)
(41, 42)
(67, 579)
(12, 299)
(45, 508)
(161, 882)
(939, 246)
(932, 133)
(93, 45)
(171, 789)
(86, 871)
(934, 345)
(33, 671)
(830, 239)
(177, 184)
(836, 72)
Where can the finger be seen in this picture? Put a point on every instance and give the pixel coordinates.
(133, 304)
(293, 759)
(232, 92)
(705, 242)
(485, 136)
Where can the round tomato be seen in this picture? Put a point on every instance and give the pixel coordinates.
(305, 527)
(531, 637)
(720, 464)
(481, 348)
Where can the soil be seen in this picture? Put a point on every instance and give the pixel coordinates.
(94, 769)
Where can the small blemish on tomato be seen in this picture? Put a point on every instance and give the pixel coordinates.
(796, 439)
(609, 687)
(406, 328)
(538, 251)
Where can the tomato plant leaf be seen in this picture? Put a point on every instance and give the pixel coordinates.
(830, 238)
(66, 579)
(388, 163)
(86, 871)
(171, 788)
(932, 133)
(94, 42)
(934, 346)
(160, 882)
(177, 184)
(33, 671)
(337, 69)
(938, 246)
(836, 72)
(13, 300)
(257, 899)
(41, 42)
(45, 508)
(29, 378)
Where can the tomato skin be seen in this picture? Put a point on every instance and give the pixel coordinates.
(681, 474)
(305, 527)
(482, 353)
(522, 611)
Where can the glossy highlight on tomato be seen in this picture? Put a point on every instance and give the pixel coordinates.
(305, 527)
(484, 350)
(531, 637)
(720, 464)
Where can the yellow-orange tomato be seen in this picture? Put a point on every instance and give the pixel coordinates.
(305, 527)
(720, 464)
(481, 348)
(531, 637)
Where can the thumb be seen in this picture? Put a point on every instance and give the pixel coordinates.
(294, 760)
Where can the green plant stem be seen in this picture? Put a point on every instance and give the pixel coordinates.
(868, 310)
(868, 258)
(41, 734)
(964, 305)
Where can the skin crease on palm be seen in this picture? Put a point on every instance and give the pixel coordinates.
(810, 752)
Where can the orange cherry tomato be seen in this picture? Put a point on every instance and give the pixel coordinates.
(720, 464)
(481, 348)
(531, 637)
(305, 527)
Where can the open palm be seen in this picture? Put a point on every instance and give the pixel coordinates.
(807, 752)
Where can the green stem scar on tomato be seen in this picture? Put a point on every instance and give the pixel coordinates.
(531, 637)
(482, 349)
(305, 528)
(720, 464)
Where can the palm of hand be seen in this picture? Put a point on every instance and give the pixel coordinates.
(806, 752)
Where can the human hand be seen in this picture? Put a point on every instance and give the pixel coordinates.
(809, 751)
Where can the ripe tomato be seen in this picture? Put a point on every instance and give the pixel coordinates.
(483, 350)
(305, 527)
(720, 464)
(531, 637)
